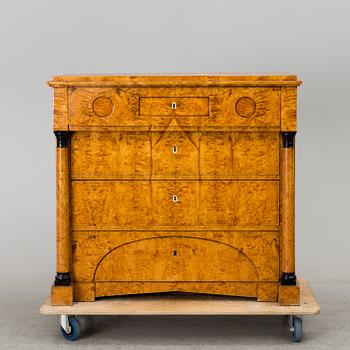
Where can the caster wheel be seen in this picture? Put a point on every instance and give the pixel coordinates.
(297, 328)
(74, 332)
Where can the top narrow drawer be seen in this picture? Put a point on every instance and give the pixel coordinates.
(237, 108)
(174, 106)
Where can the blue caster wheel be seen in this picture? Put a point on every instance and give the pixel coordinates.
(296, 328)
(70, 328)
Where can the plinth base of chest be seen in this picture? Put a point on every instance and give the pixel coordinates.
(263, 291)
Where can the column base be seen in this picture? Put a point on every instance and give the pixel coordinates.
(288, 279)
(62, 295)
(62, 279)
(289, 294)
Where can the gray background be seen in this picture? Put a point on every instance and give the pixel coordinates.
(40, 39)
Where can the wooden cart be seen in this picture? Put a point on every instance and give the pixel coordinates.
(165, 304)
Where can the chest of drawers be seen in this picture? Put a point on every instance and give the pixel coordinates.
(175, 183)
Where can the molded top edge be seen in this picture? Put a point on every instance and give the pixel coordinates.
(200, 79)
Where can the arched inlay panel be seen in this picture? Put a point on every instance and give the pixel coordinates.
(175, 258)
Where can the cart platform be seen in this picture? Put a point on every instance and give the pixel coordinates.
(185, 304)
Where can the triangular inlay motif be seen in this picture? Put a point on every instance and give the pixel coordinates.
(172, 126)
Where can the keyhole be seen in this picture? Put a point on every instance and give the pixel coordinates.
(173, 105)
(174, 149)
(175, 253)
(174, 198)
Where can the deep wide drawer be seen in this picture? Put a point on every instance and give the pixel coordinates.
(196, 204)
(172, 155)
(175, 256)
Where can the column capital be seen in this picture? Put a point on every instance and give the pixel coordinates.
(62, 138)
(288, 139)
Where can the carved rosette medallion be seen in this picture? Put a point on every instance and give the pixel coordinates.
(103, 106)
(245, 107)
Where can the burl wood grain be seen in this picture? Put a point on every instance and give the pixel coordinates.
(267, 291)
(175, 155)
(197, 198)
(142, 108)
(175, 258)
(176, 106)
(60, 96)
(62, 295)
(287, 210)
(289, 295)
(261, 291)
(289, 109)
(176, 80)
(154, 250)
(163, 261)
(63, 243)
(115, 204)
(84, 291)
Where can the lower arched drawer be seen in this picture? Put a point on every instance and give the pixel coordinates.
(175, 258)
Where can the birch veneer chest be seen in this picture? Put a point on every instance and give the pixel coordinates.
(175, 183)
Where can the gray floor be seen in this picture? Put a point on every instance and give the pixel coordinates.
(21, 326)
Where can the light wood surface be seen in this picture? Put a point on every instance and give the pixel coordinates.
(151, 107)
(177, 80)
(288, 109)
(60, 98)
(287, 210)
(174, 106)
(186, 305)
(96, 204)
(289, 295)
(62, 295)
(199, 155)
(175, 183)
(63, 239)
(150, 255)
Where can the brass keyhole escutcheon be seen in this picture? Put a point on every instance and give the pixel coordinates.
(175, 199)
(173, 105)
(174, 149)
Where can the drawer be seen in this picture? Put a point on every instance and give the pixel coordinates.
(120, 204)
(174, 106)
(175, 155)
(176, 256)
(215, 203)
(101, 155)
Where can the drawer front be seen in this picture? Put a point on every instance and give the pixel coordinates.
(179, 204)
(175, 155)
(175, 256)
(175, 108)
(215, 203)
